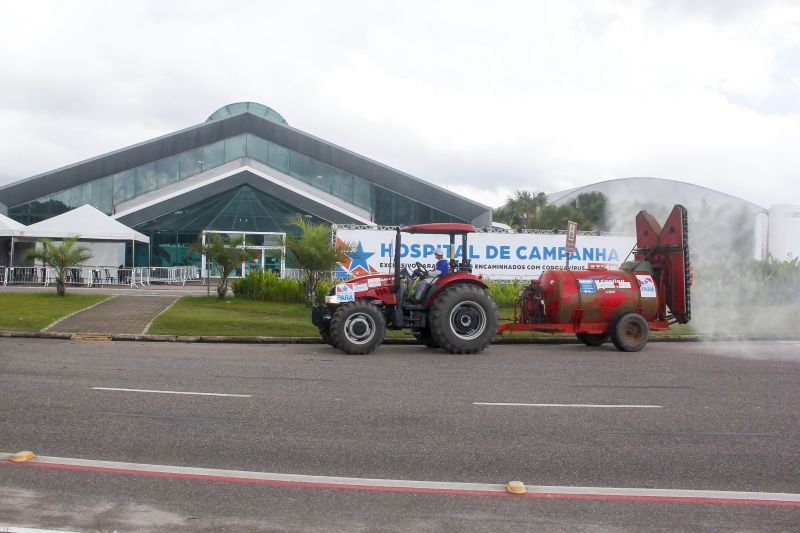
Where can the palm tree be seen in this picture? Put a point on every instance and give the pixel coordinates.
(526, 210)
(226, 256)
(522, 210)
(314, 252)
(592, 206)
(60, 257)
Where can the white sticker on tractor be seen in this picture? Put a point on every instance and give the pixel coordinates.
(623, 284)
(646, 286)
(345, 293)
(374, 282)
(360, 287)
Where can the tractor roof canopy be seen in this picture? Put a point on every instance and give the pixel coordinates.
(441, 228)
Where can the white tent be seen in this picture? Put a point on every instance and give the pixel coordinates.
(10, 227)
(87, 223)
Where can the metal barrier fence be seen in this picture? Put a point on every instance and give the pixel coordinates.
(178, 274)
(293, 273)
(85, 275)
(96, 276)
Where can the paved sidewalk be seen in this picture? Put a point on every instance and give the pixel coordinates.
(117, 315)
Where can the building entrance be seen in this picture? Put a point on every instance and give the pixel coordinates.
(270, 252)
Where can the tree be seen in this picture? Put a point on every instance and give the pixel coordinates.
(314, 252)
(592, 206)
(60, 257)
(225, 255)
(524, 210)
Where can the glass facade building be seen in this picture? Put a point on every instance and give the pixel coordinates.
(245, 168)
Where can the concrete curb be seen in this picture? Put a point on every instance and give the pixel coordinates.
(316, 340)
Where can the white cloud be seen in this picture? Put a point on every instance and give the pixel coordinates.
(484, 98)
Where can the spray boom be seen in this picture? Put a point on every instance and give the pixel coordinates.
(667, 250)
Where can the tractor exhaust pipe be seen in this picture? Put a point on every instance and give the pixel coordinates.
(399, 287)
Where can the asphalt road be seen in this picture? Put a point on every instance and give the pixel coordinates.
(688, 416)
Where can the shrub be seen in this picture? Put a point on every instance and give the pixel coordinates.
(323, 286)
(505, 293)
(268, 287)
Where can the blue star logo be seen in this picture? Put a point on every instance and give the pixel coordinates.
(359, 258)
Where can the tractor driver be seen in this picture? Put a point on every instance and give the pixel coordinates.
(442, 269)
(441, 263)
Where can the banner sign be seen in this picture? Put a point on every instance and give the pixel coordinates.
(572, 235)
(493, 255)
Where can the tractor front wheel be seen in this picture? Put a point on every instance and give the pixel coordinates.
(463, 319)
(630, 332)
(357, 328)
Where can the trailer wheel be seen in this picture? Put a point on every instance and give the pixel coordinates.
(357, 328)
(425, 337)
(629, 332)
(592, 339)
(463, 319)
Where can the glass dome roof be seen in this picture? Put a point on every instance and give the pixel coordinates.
(250, 107)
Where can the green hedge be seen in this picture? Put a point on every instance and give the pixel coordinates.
(269, 287)
(505, 293)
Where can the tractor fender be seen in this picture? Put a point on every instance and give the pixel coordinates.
(454, 279)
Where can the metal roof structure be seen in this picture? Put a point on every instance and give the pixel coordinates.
(259, 123)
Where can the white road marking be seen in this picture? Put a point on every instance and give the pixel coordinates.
(16, 529)
(568, 405)
(174, 392)
(402, 485)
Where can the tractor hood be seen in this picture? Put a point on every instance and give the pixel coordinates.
(375, 285)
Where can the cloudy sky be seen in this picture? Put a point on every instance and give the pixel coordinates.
(483, 98)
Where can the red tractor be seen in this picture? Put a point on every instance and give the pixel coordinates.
(453, 312)
(649, 293)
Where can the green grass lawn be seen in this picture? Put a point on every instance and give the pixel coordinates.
(215, 316)
(33, 311)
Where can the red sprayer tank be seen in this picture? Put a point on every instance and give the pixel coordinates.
(596, 295)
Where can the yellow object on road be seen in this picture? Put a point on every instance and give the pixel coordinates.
(22, 456)
(516, 487)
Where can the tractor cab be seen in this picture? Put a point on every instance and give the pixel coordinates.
(416, 287)
(451, 229)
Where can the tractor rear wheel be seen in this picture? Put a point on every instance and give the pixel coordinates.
(357, 328)
(425, 337)
(630, 332)
(592, 339)
(463, 319)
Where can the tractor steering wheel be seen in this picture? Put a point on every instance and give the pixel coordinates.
(420, 271)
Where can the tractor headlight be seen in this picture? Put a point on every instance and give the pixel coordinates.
(331, 299)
